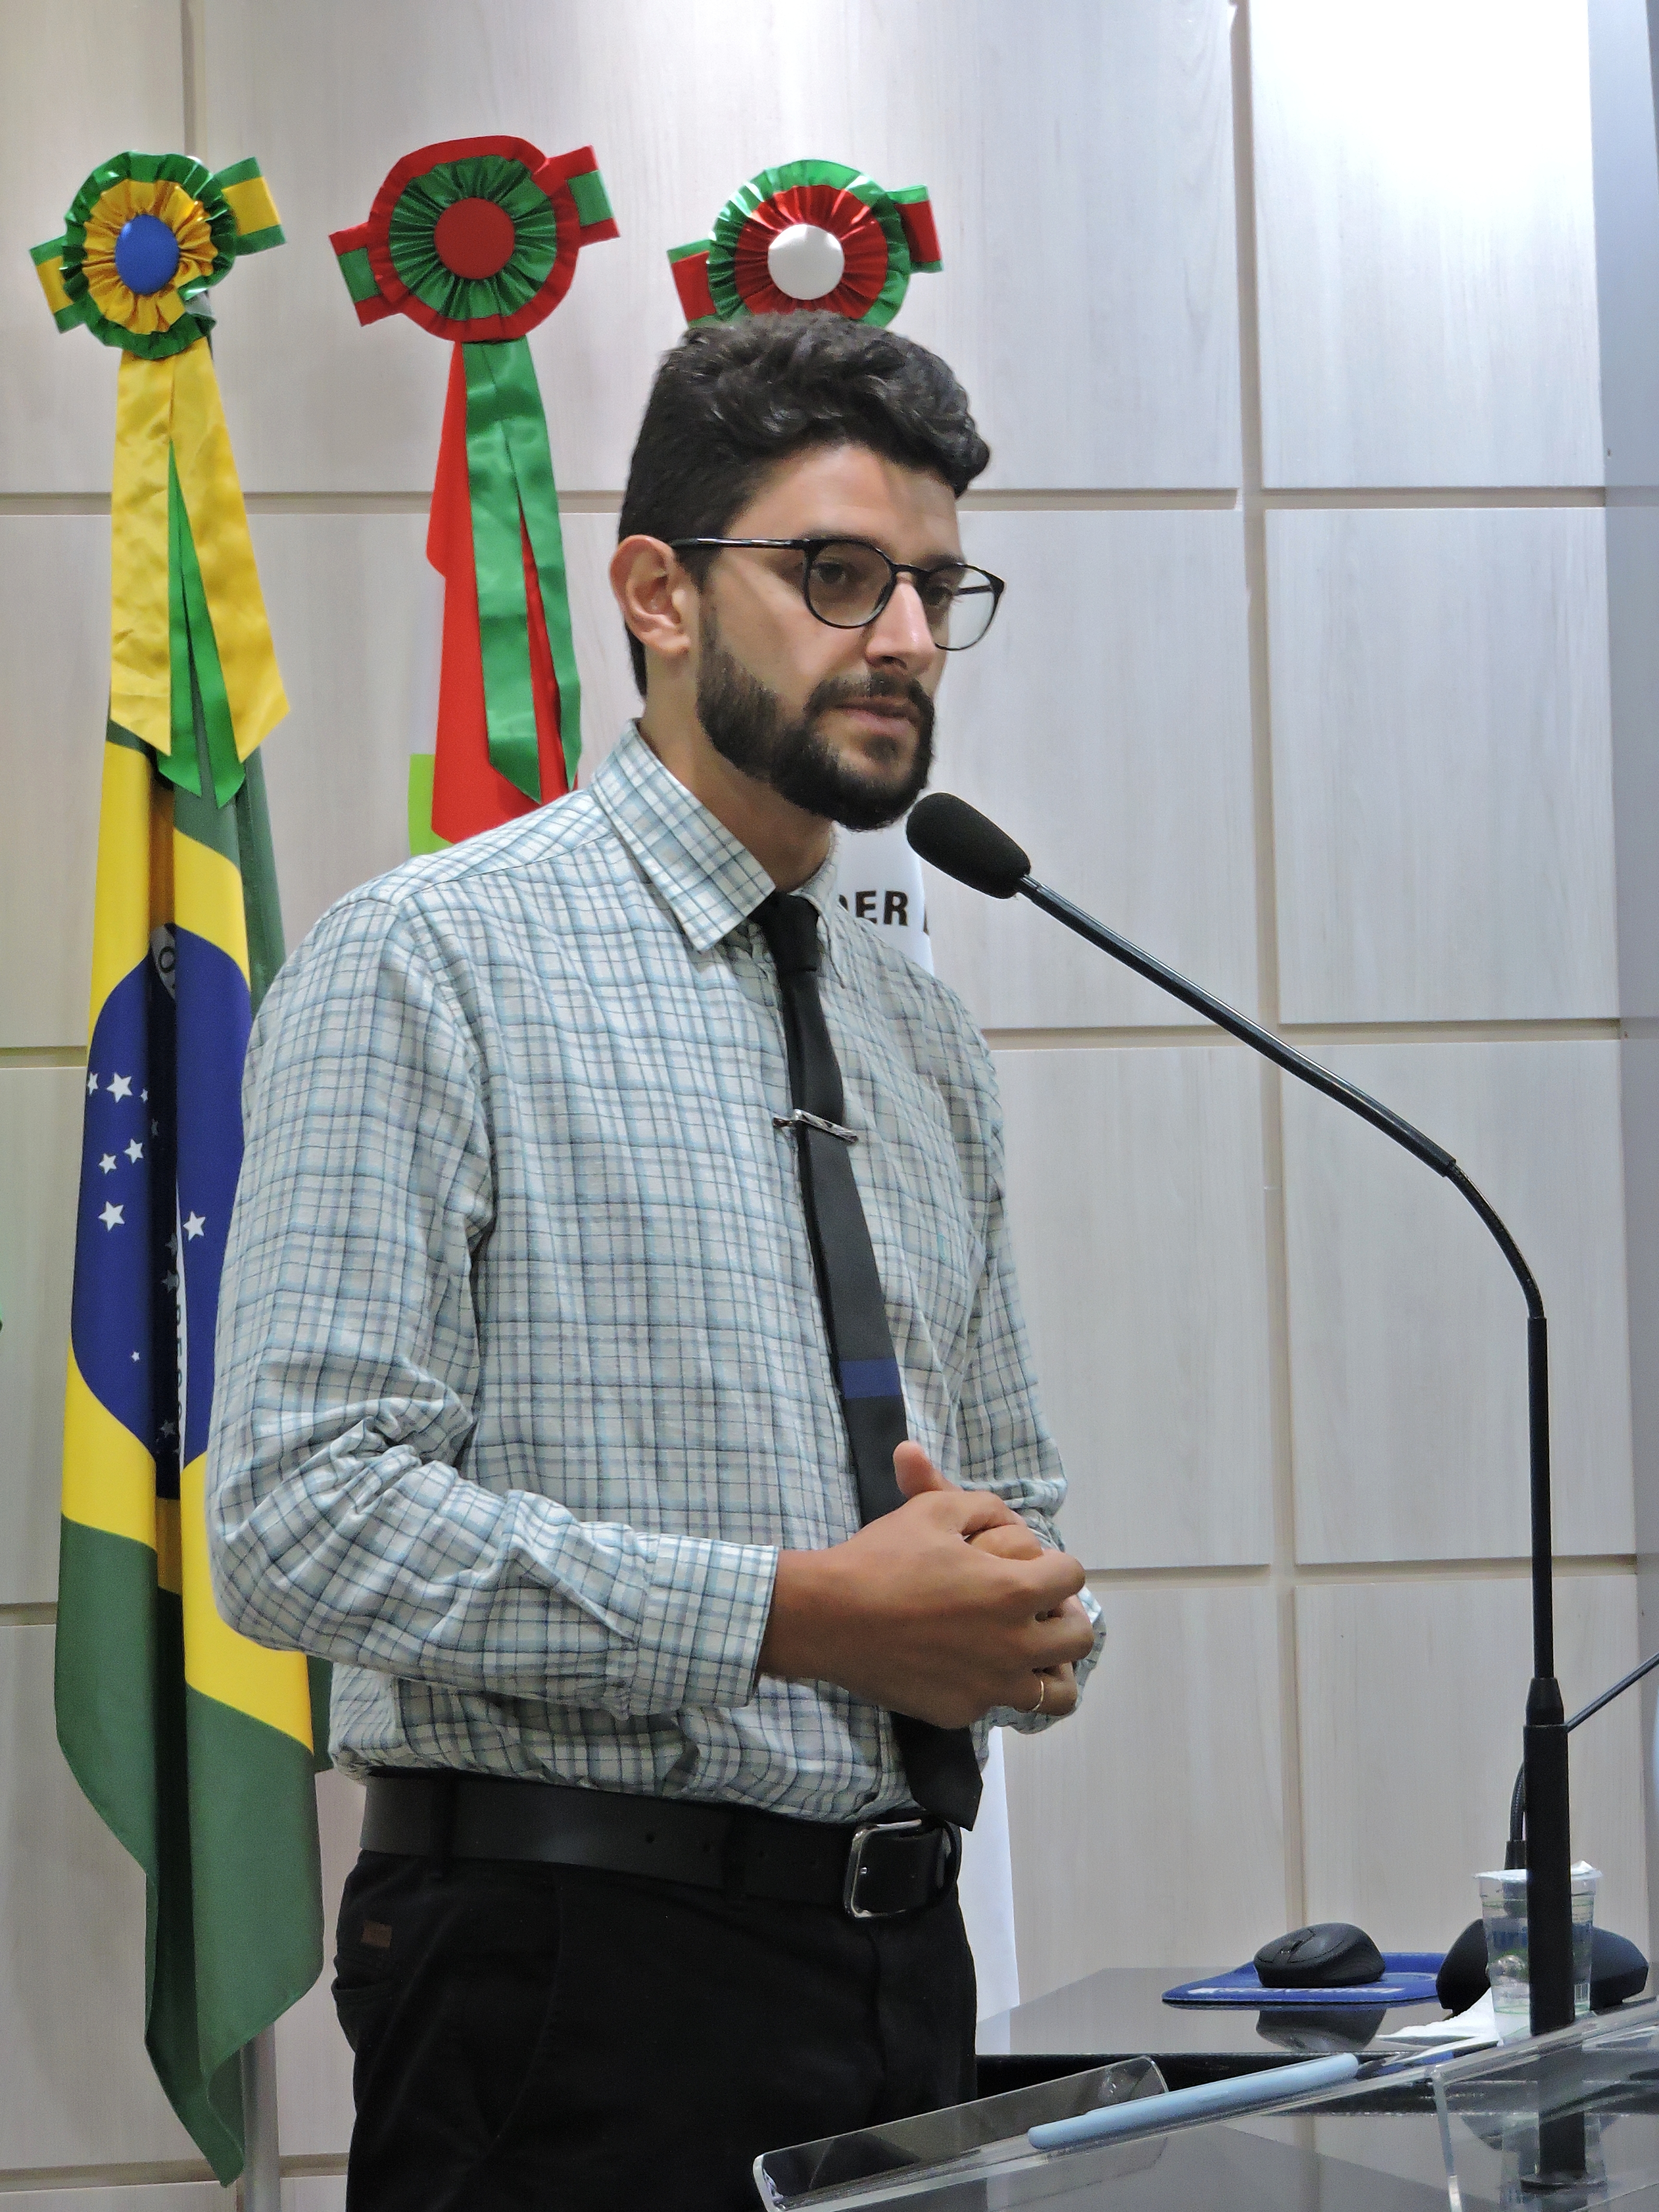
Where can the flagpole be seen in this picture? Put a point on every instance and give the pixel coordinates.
(262, 2174)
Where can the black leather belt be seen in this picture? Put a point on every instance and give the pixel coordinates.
(871, 1871)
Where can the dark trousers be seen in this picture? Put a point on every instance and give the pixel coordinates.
(535, 2036)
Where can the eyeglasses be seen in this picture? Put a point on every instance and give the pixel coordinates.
(847, 583)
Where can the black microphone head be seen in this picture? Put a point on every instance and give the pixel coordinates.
(966, 844)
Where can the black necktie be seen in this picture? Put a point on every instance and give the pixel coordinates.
(939, 1763)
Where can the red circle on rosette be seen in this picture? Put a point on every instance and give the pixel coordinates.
(474, 238)
(475, 329)
(863, 241)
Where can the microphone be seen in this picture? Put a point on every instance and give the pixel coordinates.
(962, 842)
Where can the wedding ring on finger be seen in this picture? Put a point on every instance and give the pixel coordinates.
(1042, 1692)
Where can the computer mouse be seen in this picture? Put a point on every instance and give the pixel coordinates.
(1332, 1954)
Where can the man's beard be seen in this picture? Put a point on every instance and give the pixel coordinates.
(746, 725)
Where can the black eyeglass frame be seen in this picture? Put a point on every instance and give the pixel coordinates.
(811, 547)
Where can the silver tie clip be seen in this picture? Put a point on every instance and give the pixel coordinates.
(800, 1118)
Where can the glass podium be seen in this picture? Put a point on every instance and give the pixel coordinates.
(1563, 2122)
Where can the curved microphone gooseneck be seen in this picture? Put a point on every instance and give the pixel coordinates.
(964, 844)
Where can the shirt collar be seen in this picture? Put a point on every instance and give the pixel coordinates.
(711, 881)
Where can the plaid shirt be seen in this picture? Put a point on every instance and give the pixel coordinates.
(522, 1375)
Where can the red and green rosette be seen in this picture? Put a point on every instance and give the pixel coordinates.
(477, 240)
(810, 235)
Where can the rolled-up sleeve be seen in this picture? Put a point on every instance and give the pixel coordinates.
(341, 1520)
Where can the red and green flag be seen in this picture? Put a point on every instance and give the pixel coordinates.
(195, 1747)
(475, 239)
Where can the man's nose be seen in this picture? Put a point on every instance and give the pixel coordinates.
(900, 631)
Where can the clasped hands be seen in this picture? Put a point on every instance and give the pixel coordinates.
(944, 1609)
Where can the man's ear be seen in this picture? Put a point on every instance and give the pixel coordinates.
(658, 599)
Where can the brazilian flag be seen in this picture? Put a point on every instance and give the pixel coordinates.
(195, 1746)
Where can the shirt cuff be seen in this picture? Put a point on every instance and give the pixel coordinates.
(700, 1636)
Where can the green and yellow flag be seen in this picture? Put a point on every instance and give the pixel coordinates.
(196, 1746)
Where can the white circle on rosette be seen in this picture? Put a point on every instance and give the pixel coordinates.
(804, 261)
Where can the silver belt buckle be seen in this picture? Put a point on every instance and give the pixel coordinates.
(849, 1892)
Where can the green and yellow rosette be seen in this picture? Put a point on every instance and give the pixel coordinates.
(475, 239)
(810, 235)
(143, 238)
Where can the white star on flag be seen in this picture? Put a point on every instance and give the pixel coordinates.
(113, 1216)
(120, 1086)
(135, 1151)
(108, 1163)
(135, 1359)
(195, 1224)
(92, 1083)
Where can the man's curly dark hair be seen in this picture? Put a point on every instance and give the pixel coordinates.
(732, 398)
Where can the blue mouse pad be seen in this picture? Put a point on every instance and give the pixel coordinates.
(1408, 1979)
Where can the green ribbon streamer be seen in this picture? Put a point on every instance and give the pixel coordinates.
(510, 475)
(194, 655)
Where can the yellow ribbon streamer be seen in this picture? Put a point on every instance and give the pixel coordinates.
(141, 669)
(173, 405)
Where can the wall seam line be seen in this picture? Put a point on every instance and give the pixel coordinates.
(1276, 1285)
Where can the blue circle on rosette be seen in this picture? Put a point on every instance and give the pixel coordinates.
(146, 255)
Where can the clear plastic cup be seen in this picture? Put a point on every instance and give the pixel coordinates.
(1504, 1913)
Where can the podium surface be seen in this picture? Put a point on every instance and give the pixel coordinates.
(1560, 2125)
(1119, 2013)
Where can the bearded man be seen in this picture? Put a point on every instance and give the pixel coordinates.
(621, 1376)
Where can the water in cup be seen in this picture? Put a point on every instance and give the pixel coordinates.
(1504, 1913)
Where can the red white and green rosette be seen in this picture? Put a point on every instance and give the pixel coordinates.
(475, 239)
(811, 234)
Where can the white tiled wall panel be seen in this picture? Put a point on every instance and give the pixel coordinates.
(1426, 243)
(1079, 159)
(1134, 1191)
(76, 2088)
(1154, 1812)
(1412, 1700)
(40, 1165)
(313, 2192)
(1105, 723)
(82, 80)
(54, 646)
(1442, 785)
(1407, 1329)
